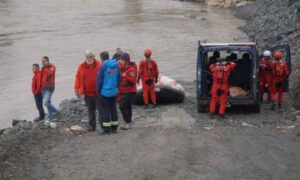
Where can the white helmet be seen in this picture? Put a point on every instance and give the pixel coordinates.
(267, 53)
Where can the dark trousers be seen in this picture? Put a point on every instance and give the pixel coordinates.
(38, 98)
(109, 115)
(92, 103)
(125, 106)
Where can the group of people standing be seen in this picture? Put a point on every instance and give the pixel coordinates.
(104, 83)
(272, 73)
(107, 82)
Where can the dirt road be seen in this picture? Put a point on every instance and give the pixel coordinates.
(169, 142)
(143, 153)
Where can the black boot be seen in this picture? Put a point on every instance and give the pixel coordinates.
(273, 107)
(279, 106)
(261, 99)
(222, 116)
(211, 116)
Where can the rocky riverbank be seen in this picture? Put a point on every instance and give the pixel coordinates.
(224, 3)
(276, 22)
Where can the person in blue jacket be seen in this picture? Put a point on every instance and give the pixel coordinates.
(107, 85)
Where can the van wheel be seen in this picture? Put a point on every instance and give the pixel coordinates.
(201, 108)
(256, 108)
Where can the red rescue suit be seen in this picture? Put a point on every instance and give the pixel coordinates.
(128, 78)
(280, 73)
(148, 72)
(48, 76)
(265, 75)
(220, 86)
(85, 79)
(36, 82)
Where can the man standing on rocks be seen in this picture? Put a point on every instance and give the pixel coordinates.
(127, 88)
(48, 85)
(85, 85)
(265, 75)
(148, 72)
(221, 71)
(36, 90)
(107, 85)
(280, 74)
(118, 54)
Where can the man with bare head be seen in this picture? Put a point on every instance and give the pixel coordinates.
(85, 85)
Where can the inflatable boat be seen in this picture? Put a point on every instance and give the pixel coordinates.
(167, 91)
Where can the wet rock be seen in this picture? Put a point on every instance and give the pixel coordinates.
(77, 129)
(285, 127)
(85, 121)
(17, 121)
(190, 16)
(247, 124)
(227, 3)
(208, 127)
(2, 131)
(9, 132)
(203, 11)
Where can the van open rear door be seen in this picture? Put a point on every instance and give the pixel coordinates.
(285, 49)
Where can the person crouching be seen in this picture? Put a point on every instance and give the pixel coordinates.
(127, 88)
(221, 71)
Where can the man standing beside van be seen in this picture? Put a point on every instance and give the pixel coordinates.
(85, 85)
(280, 74)
(265, 75)
(148, 72)
(48, 86)
(221, 71)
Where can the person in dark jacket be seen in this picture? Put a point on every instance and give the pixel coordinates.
(36, 90)
(118, 54)
(107, 86)
(127, 88)
(85, 85)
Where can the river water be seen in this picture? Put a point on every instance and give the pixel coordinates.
(64, 29)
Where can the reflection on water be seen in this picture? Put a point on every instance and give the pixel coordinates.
(64, 29)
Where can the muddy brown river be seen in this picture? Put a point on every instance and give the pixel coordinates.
(64, 29)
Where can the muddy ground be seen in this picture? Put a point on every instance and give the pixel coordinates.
(167, 142)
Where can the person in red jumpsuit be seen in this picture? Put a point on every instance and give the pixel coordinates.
(127, 88)
(221, 71)
(148, 73)
(265, 75)
(280, 74)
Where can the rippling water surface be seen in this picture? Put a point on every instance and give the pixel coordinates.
(64, 29)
